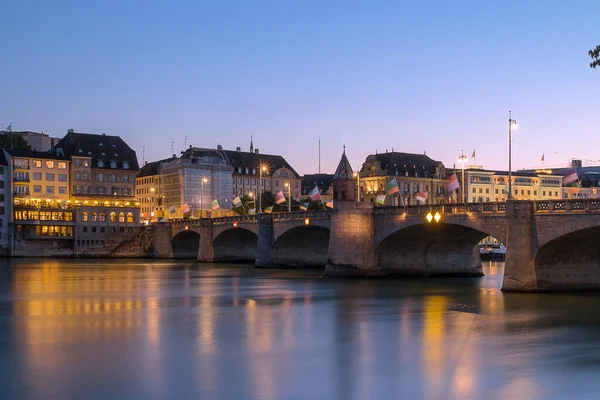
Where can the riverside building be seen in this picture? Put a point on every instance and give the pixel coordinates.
(414, 173)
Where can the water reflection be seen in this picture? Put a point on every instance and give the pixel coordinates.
(163, 330)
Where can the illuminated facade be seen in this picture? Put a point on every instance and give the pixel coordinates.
(247, 177)
(414, 173)
(492, 186)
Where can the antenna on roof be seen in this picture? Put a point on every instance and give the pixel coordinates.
(172, 143)
(185, 143)
(319, 154)
(143, 155)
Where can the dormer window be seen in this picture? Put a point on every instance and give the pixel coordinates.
(247, 171)
(113, 164)
(125, 164)
(100, 164)
(239, 170)
(253, 171)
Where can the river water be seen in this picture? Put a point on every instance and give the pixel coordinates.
(172, 330)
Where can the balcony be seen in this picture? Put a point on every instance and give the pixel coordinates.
(21, 180)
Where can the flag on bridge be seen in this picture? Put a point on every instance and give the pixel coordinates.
(380, 199)
(215, 205)
(185, 208)
(422, 197)
(252, 211)
(279, 197)
(237, 202)
(505, 191)
(329, 204)
(453, 183)
(571, 176)
(391, 187)
(268, 210)
(304, 206)
(172, 210)
(315, 194)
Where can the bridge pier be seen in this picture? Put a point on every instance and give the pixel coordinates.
(351, 243)
(521, 247)
(266, 237)
(206, 250)
(161, 241)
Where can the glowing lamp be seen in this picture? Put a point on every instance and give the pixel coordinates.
(429, 217)
(437, 216)
(187, 227)
(235, 224)
(306, 221)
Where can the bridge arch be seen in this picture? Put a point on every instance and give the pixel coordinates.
(185, 244)
(235, 245)
(301, 246)
(418, 248)
(570, 261)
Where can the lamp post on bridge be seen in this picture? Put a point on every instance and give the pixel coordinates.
(202, 182)
(463, 159)
(289, 186)
(357, 176)
(512, 124)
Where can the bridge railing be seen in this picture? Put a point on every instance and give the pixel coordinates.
(539, 206)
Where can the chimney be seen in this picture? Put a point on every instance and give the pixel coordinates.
(103, 134)
(219, 147)
(255, 151)
(70, 130)
(238, 149)
(576, 163)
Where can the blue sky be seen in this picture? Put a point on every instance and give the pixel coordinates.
(434, 76)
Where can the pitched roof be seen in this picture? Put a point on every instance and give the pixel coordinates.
(253, 160)
(397, 163)
(323, 181)
(46, 155)
(344, 169)
(105, 148)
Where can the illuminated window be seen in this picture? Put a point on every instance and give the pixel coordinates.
(121, 217)
(49, 164)
(84, 216)
(94, 216)
(129, 217)
(113, 217)
(102, 216)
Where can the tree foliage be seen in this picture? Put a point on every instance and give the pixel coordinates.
(12, 140)
(595, 54)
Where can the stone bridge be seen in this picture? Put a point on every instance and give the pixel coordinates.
(551, 245)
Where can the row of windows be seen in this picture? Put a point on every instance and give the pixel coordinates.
(85, 176)
(145, 190)
(94, 229)
(50, 164)
(101, 216)
(85, 189)
(146, 181)
(101, 163)
(64, 231)
(37, 176)
(43, 215)
(48, 230)
(487, 191)
(49, 189)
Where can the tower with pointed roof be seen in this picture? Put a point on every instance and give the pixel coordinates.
(344, 185)
(251, 145)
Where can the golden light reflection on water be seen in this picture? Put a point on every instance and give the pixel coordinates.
(434, 349)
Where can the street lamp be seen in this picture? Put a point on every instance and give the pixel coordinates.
(463, 159)
(202, 182)
(512, 124)
(357, 176)
(152, 205)
(289, 186)
(263, 168)
(253, 200)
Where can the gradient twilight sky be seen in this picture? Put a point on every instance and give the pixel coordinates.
(435, 76)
